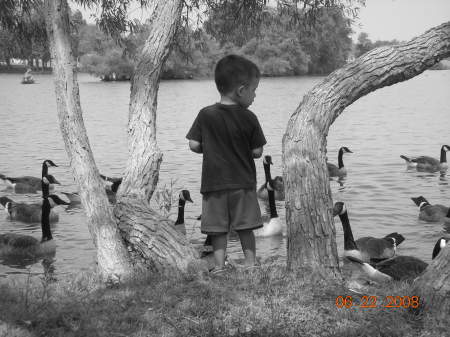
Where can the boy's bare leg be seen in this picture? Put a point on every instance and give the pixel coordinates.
(248, 246)
(219, 243)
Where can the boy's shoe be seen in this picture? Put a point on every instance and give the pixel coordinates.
(222, 270)
(217, 271)
(249, 268)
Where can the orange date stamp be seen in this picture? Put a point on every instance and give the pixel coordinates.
(405, 302)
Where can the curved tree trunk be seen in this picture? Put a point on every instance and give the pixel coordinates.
(433, 287)
(133, 236)
(112, 256)
(311, 231)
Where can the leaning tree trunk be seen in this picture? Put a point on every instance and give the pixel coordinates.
(112, 255)
(150, 237)
(311, 231)
(132, 236)
(433, 287)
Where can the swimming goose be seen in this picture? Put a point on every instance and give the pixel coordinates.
(429, 164)
(45, 165)
(277, 182)
(30, 212)
(26, 245)
(340, 170)
(28, 184)
(271, 226)
(110, 179)
(428, 212)
(73, 197)
(111, 191)
(366, 248)
(184, 196)
(399, 267)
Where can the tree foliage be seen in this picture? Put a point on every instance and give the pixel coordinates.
(364, 44)
(278, 50)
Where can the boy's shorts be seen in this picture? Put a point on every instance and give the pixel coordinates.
(223, 211)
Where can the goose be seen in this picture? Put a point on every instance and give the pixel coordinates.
(184, 196)
(428, 212)
(111, 191)
(272, 225)
(429, 164)
(30, 213)
(277, 182)
(366, 248)
(45, 165)
(13, 244)
(27, 184)
(399, 267)
(73, 197)
(111, 180)
(340, 170)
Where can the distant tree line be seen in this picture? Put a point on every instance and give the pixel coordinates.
(279, 46)
(364, 44)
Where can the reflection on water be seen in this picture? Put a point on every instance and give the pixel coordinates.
(407, 118)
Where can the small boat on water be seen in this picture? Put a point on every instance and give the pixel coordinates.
(27, 77)
(27, 81)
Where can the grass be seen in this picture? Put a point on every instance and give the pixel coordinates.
(266, 301)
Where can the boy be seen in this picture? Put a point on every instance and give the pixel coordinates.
(230, 137)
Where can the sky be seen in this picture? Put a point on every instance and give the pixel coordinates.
(401, 19)
(385, 19)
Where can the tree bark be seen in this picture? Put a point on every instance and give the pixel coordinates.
(433, 287)
(145, 157)
(152, 237)
(132, 236)
(112, 255)
(311, 231)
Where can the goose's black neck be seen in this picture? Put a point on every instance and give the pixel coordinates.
(180, 218)
(44, 169)
(45, 220)
(45, 189)
(340, 160)
(267, 172)
(443, 155)
(349, 242)
(273, 208)
(436, 249)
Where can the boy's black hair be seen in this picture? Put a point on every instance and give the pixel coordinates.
(232, 71)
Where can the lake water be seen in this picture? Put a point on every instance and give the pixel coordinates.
(408, 118)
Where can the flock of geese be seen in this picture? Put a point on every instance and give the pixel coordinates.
(376, 256)
(13, 244)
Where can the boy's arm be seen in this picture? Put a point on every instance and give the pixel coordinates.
(257, 153)
(195, 146)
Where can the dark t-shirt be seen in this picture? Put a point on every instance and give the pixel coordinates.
(228, 134)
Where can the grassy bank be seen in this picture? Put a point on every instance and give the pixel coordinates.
(261, 302)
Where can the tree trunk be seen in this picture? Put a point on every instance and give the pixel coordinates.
(311, 231)
(132, 236)
(433, 287)
(112, 255)
(163, 247)
(145, 157)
